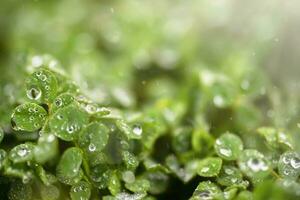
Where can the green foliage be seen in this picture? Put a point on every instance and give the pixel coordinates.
(141, 107)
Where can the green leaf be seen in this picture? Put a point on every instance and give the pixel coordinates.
(49, 192)
(209, 167)
(46, 148)
(130, 160)
(80, 191)
(20, 191)
(47, 178)
(41, 86)
(228, 146)
(114, 184)
(94, 137)
(21, 153)
(289, 165)
(254, 165)
(202, 141)
(129, 132)
(28, 117)
(61, 101)
(100, 175)
(229, 176)
(67, 122)
(275, 138)
(68, 170)
(207, 190)
(140, 185)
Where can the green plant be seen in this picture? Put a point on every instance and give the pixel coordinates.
(66, 146)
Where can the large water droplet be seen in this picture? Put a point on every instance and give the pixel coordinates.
(34, 93)
(257, 165)
(226, 152)
(295, 162)
(22, 152)
(92, 147)
(137, 129)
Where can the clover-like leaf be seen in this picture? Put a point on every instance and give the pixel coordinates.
(253, 164)
(289, 165)
(229, 176)
(28, 117)
(207, 190)
(228, 146)
(209, 167)
(100, 175)
(94, 137)
(61, 101)
(80, 191)
(41, 86)
(68, 170)
(67, 122)
(21, 153)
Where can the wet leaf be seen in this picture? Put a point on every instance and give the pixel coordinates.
(229, 176)
(68, 170)
(46, 148)
(61, 101)
(207, 190)
(41, 86)
(289, 165)
(94, 137)
(80, 191)
(209, 167)
(21, 153)
(138, 186)
(28, 117)
(228, 146)
(67, 122)
(254, 165)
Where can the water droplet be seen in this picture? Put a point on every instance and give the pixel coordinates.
(58, 102)
(295, 162)
(92, 147)
(22, 152)
(226, 152)
(205, 195)
(70, 129)
(229, 171)
(218, 100)
(285, 160)
(34, 93)
(137, 130)
(257, 165)
(47, 87)
(60, 117)
(204, 169)
(43, 77)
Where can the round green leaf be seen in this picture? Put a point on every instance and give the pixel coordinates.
(67, 122)
(68, 170)
(21, 153)
(100, 176)
(80, 191)
(289, 165)
(46, 148)
(94, 137)
(61, 101)
(253, 164)
(228, 146)
(114, 184)
(130, 160)
(209, 167)
(229, 176)
(207, 190)
(41, 86)
(28, 117)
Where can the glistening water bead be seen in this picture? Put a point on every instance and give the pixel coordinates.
(34, 93)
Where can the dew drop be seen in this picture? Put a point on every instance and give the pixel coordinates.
(204, 169)
(137, 130)
(226, 152)
(257, 165)
(92, 147)
(34, 93)
(22, 152)
(58, 102)
(218, 100)
(205, 195)
(295, 163)
(43, 78)
(70, 129)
